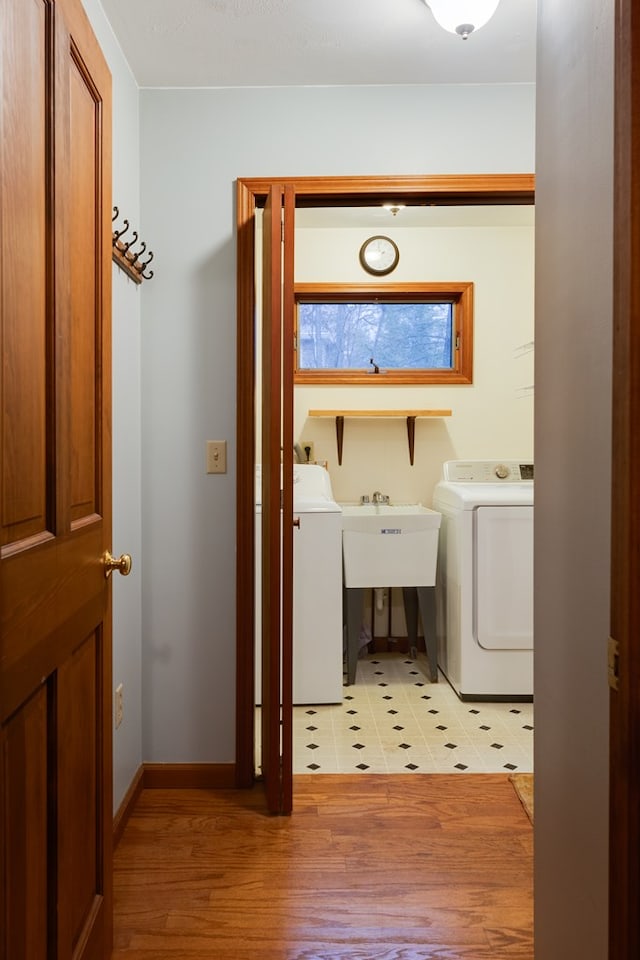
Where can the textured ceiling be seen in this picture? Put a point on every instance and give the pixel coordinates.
(241, 43)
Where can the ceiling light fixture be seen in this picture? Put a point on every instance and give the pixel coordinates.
(462, 16)
(394, 208)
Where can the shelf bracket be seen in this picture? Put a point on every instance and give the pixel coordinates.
(339, 437)
(411, 437)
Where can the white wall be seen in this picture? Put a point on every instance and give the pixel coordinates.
(127, 605)
(491, 418)
(573, 437)
(194, 144)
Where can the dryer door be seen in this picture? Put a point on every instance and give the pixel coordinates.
(503, 578)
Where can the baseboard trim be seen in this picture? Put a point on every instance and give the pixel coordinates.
(171, 776)
(185, 776)
(129, 801)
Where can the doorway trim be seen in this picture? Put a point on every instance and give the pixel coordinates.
(624, 650)
(251, 193)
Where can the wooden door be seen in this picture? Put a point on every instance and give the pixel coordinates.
(55, 492)
(277, 500)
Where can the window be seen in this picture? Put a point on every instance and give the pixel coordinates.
(384, 333)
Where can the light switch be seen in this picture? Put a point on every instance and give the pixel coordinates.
(216, 456)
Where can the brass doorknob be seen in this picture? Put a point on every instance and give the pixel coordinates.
(122, 564)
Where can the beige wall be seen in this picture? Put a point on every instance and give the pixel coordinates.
(493, 417)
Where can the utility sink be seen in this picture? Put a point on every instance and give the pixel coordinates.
(389, 545)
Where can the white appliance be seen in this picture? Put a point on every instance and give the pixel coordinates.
(317, 587)
(485, 578)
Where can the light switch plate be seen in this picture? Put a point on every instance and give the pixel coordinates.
(216, 456)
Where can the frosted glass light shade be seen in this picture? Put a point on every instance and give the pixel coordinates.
(462, 16)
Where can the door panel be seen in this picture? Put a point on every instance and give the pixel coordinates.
(24, 779)
(77, 767)
(288, 530)
(270, 540)
(23, 163)
(503, 586)
(277, 502)
(55, 501)
(83, 225)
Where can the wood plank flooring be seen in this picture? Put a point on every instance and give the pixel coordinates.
(368, 867)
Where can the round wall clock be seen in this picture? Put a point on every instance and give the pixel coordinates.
(379, 255)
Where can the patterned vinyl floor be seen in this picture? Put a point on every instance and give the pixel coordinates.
(393, 720)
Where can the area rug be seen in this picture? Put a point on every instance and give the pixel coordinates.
(523, 785)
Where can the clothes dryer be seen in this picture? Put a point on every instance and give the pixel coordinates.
(485, 578)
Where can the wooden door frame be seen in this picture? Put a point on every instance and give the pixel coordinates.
(624, 734)
(251, 194)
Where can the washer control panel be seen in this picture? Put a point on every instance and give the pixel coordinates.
(487, 471)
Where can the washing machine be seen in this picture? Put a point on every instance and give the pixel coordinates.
(484, 593)
(317, 588)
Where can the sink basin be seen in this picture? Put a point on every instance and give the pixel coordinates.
(388, 545)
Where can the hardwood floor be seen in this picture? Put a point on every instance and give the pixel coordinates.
(368, 867)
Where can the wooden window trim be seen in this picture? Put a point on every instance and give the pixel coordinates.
(461, 294)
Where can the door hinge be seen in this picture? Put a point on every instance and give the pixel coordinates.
(613, 659)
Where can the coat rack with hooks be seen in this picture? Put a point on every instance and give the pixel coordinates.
(124, 254)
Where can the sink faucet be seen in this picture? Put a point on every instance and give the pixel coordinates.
(380, 497)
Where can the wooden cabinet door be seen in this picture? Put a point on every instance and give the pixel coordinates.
(55, 487)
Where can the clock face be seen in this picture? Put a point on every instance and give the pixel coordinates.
(379, 255)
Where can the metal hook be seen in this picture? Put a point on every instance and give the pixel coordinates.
(118, 233)
(136, 256)
(142, 267)
(116, 214)
(125, 246)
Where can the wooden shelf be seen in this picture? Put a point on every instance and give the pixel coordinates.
(408, 415)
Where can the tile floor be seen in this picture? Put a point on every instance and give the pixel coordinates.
(393, 720)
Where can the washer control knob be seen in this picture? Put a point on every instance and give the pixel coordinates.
(501, 471)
